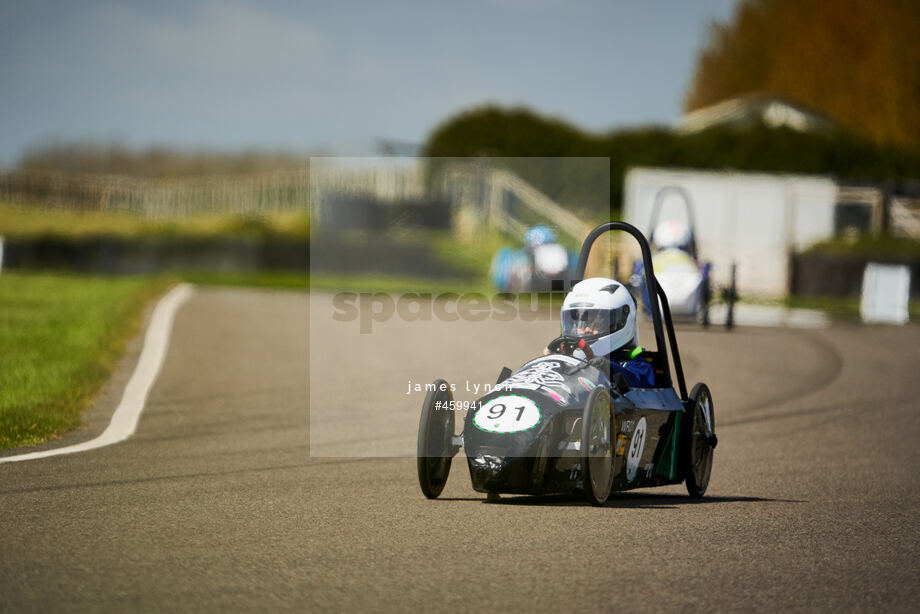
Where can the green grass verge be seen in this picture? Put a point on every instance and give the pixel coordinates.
(845, 307)
(284, 280)
(474, 255)
(61, 336)
(281, 280)
(393, 284)
(841, 307)
(397, 284)
(31, 221)
(884, 247)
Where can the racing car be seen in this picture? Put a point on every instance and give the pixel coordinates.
(535, 267)
(685, 279)
(560, 425)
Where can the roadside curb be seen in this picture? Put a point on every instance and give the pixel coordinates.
(123, 421)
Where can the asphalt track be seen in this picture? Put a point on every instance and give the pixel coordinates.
(215, 503)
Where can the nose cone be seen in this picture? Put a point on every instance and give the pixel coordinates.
(488, 467)
(487, 464)
(494, 471)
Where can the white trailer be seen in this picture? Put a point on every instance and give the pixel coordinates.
(755, 220)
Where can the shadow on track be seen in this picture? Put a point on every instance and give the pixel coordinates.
(620, 501)
(185, 476)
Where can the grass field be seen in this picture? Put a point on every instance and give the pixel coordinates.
(841, 308)
(60, 337)
(284, 280)
(30, 221)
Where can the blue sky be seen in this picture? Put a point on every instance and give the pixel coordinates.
(332, 76)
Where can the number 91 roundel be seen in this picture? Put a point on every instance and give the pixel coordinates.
(507, 414)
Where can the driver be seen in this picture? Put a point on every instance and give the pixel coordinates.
(602, 312)
(671, 233)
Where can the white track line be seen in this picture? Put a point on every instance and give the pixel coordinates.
(124, 420)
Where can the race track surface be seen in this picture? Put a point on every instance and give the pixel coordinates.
(215, 504)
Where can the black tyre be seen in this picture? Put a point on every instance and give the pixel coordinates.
(699, 441)
(435, 440)
(597, 446)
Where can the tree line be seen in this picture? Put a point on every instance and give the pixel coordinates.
(506, 132)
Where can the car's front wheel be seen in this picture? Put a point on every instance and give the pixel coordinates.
(597, 446)
(435, 439)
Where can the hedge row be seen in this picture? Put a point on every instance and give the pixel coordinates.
(494, 131)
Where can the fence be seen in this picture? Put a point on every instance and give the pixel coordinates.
(282, 191)
(481, 192)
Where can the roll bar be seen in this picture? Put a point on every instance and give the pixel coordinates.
(651, 283)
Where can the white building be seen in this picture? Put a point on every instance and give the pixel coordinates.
(746, 111)
(752, 219)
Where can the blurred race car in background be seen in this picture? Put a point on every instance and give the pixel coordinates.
(684, 278)
(536, 266)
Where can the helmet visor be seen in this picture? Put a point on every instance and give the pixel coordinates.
(593, 322)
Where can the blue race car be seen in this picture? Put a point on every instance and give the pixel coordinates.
(536, 266)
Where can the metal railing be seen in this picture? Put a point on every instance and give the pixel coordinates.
(258, 194)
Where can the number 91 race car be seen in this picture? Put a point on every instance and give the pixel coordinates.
(560, 425)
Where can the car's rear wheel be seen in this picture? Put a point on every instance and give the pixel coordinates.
(435, 439)
(699, 441)
(597, 446)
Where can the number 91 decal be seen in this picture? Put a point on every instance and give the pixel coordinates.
(507, 414)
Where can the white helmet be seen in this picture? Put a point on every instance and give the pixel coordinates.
(602, 312)
(671, 233)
